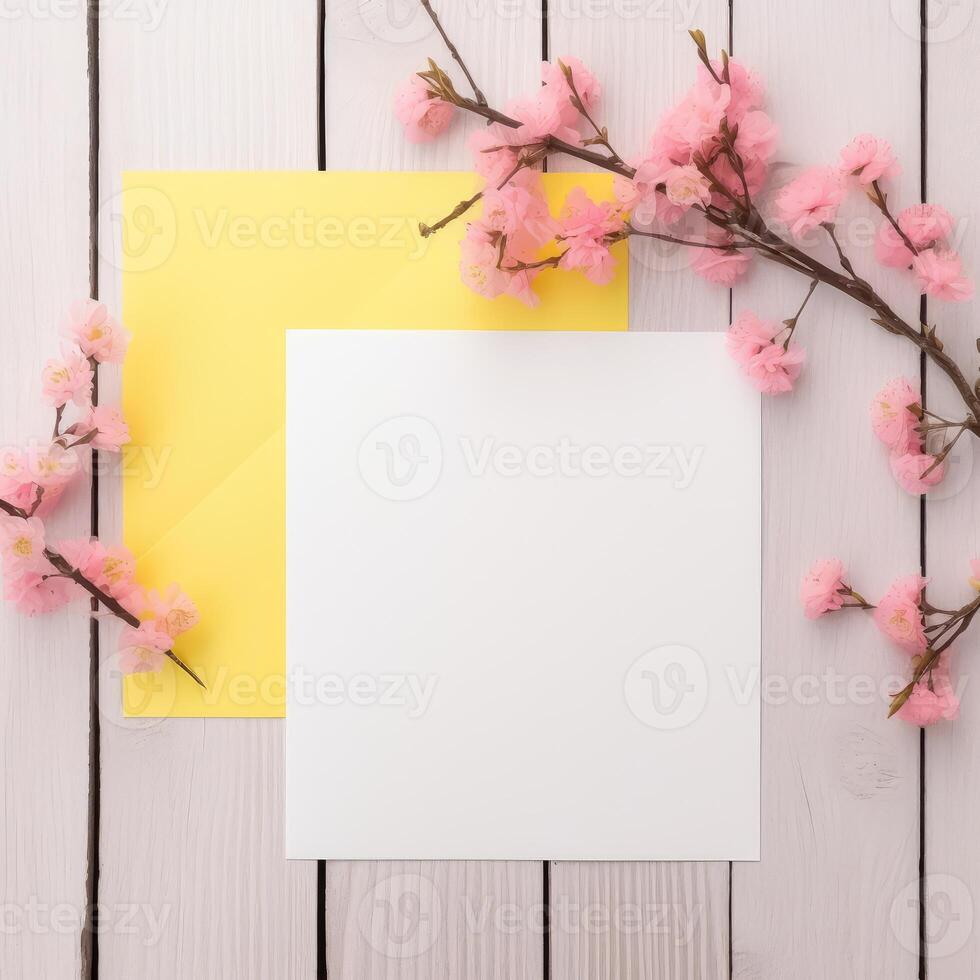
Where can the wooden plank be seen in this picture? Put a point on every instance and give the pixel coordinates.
(425, 919)
(44, 662)
(192, 810)
(613, 920)
(952, 796)
(840, 815)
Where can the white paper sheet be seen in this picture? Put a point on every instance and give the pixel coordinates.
(523, 589)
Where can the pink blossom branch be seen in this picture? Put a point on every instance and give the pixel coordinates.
(524, 162)
(442, 86)
(880, 201)
(65, 570)
(959, 622)
(631, 231)
(745, 222)
(601, 134)
(480, 97)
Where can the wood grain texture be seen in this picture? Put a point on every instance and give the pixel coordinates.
(44, 662)
(470, 920)
(620, 920)
(193, 881)
(840, 812)
(192, 810)
(952, 792)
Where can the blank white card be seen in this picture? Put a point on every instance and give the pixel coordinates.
(523, 588)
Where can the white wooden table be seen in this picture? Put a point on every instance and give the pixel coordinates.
(175, 828)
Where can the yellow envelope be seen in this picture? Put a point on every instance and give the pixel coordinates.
(217, 266)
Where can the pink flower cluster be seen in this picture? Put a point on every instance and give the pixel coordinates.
(770, 364)
(164, 617)
(33, 477)
(501, 253)
(586, 228)
(39, 575)
(815, 196)
(813, 199)
(900, 617)
(937, 268)
(421, 112)
(895, 420)
(670, 178)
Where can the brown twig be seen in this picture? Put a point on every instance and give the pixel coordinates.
(601, 135)
(961, 619)
(434, 17)
(793, 320)
(426, 230)
(880, 201)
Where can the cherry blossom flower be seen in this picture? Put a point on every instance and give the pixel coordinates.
(67, 379)
(143, 649)
(891, 419)
(97, 334)
(586, 84)
(520, 213)
(774, 369)
(423, 115)
(486, 264)
(912, 471)
(173, 610)
(690, 126)
(16, 487)
(687, 186)
(725, 174)
(746, 88)
(520, 284)
(479, 262)
(771, 367)
(757, 137)
(111, 568)
(890, 248)
(823, 588)
(933, 698)
(721, 266)
(85, 555)
(37, 592)
(925, 224)
(975, 574)
(585, 226)
(21, 545)
(50, 469)
(810, 200)
(898, 615)
(940, 274)
(640, 194)
(112, 432)
(869, 158)
(592, 257)
(492, 157)
(748, 335)
(540, 116)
